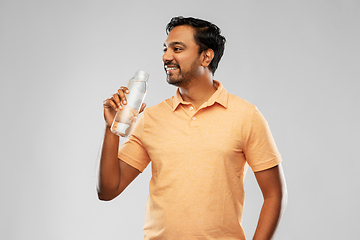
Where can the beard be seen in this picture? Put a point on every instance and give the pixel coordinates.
(180, 78)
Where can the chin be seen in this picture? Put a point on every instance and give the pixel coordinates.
(170, 79)
(178, 81)
(175, 83)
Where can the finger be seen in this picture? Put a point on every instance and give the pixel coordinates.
(109, 103)
(116, 100)
(125, 89)
(143, 106)
(122, 91)
(114, 105)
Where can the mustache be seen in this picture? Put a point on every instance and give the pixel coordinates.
(171, 63)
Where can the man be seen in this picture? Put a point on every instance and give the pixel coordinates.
(198, 142)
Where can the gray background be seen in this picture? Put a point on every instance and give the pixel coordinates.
(298, 61)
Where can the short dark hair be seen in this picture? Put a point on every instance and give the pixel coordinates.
(207, 35)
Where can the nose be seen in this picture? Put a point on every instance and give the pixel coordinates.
(167, 56)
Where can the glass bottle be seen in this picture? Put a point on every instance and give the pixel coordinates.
(125, 119)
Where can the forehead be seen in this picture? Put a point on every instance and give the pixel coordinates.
(183, 34)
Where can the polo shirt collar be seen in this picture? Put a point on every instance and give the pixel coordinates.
(220, 96)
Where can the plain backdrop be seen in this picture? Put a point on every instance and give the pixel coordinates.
(298, 61)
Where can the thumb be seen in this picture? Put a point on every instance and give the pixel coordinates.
(142, 107)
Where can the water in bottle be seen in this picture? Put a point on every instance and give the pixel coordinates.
(125, 119)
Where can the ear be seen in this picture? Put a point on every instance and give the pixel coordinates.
(208, 56)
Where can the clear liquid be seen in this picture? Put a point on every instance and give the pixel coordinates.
(124, 121)
(137, 93)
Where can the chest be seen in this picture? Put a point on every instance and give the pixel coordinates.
(206, 140)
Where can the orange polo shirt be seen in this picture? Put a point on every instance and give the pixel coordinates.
(198, 160)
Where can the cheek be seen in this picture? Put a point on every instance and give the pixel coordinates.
(184, 62)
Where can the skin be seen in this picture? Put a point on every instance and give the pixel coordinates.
(114, 174)
(195, 82)
(193, 77)
(273, 188)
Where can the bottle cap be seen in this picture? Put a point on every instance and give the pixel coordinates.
(142, 75)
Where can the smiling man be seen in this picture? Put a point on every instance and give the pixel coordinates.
(181, 49)
(199, 143)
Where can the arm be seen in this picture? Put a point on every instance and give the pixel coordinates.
(273, 187)
(114, 175)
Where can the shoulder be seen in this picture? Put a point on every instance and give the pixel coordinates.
(240, 105)
(156, 115)
(239, 101)
(164, 105)
(158, 112)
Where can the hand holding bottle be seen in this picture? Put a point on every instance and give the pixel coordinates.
(124, 106)
(116, 103)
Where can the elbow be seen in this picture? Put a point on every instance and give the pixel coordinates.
(106, 196)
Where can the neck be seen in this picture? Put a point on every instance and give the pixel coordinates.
(198, 91)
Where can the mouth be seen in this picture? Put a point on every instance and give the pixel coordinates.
(170, 68)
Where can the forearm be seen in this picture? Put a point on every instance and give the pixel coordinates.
(270, 215)
(109, 168)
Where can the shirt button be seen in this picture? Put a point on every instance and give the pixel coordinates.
(193, 118)
(191, 108)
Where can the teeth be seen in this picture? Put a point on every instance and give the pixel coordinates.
(170, 68)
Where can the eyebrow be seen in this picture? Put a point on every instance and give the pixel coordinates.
(175, 43)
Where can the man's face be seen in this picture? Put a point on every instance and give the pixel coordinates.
(181, 56)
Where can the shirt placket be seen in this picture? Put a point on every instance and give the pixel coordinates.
(191, 113)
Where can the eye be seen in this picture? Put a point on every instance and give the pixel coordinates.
(164, 50)
(177, 49)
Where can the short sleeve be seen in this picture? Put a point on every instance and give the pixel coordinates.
(132, 151)
(261, 152)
